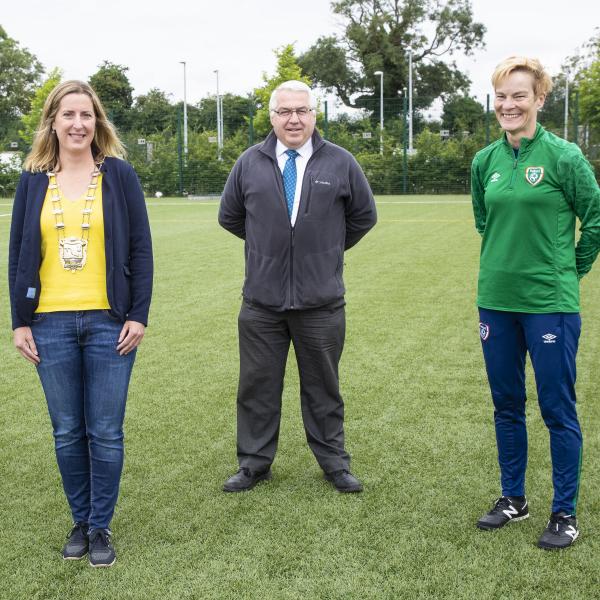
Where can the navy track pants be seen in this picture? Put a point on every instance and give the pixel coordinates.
(551, 340)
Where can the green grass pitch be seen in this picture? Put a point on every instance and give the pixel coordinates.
(418, 425)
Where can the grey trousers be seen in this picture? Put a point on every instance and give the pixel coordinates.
(264, 339)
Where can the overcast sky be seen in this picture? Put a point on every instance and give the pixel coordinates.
(238, 37)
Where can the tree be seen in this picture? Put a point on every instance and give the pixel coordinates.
(589, 94)
(10, 171)
(153, 112)
(583, 71)
(552, 114)
(589, 102)
(287, 69)
(327, 64)
(236, 110)
(20, 74)
(31, 120)
(376, 38)
(462, 113)
(111, 84)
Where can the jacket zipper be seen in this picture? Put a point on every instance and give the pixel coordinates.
(292, 269)
(292, 241)
(279, 179)
(514, 171)
(515, 162)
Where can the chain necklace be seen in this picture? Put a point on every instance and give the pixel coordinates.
(72, 250)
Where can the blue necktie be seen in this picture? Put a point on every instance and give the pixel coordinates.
(289, 180)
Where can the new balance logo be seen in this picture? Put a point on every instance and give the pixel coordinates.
(571, 532)
(511, 511)
(549, 338)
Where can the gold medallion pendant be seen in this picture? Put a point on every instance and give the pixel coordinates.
(73, 253)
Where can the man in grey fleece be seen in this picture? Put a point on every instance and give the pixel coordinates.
(299, 202)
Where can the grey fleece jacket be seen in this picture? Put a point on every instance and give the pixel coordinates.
(298, 267)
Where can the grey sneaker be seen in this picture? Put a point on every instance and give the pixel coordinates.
(504, 511)
(560, 532)
(77, 542)
(102, 554)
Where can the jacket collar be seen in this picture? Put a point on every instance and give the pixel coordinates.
(526, 143)
(107, 164)
(39, 186)
(270, 144)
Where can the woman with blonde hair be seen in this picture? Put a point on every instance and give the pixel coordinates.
(528, 189)
(80, 280)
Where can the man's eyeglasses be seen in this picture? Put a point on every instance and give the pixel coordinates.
(286, 113)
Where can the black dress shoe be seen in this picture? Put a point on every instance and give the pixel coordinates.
(343, 481)
(245, 480)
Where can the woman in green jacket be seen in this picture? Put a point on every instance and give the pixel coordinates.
(528, 189)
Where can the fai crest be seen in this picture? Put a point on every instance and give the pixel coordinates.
(484, 331)
(534, 175)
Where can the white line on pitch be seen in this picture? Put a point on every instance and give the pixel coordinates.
(424, 202)
(205, 203)
(201, 203)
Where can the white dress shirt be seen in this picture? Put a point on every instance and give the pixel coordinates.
(304, 153)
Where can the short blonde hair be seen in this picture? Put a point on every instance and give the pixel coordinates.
(542, 82)
(45, 147)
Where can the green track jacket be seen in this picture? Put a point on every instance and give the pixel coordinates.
(525, 210)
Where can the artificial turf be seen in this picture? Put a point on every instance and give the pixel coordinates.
(418, 425)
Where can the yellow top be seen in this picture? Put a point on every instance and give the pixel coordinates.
(84, 289)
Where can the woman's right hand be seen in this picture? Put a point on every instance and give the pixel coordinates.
(24, 343)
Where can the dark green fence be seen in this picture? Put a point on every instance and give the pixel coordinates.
(436, 160)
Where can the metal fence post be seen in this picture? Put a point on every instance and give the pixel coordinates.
(251, 123)
(576, 118)
(405, 144)
(487, 121)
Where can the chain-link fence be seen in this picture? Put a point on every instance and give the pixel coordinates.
(428, 154)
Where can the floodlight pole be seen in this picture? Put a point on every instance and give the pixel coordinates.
(185, 127)
(404, 148)
(410, 103)
(219, 118)
(380, 73)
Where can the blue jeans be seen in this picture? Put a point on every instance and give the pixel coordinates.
(85, 382)
(551, 340)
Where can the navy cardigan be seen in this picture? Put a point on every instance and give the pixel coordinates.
(128, 245)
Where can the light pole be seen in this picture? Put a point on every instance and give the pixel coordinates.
(185, 136)
(410, 104)
(404, 148)
(219, 118)
(380, 73)
(566, 136)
